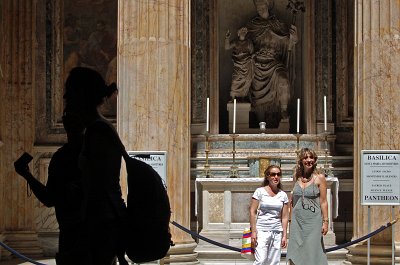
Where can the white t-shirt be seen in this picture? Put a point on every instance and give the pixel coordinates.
(269, 214)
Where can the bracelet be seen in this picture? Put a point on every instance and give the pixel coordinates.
(325, 221)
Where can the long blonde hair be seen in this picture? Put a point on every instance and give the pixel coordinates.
(304, 152)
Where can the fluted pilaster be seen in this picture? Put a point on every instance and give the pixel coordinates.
(377, 113)
(154, 99)
(17, 123)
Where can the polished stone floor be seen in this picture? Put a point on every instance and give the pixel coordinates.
(202, 262)
(206, 256)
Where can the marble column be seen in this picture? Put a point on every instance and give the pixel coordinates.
(17, 226)
(154, 99)
(377, 115)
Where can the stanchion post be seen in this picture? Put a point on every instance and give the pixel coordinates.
(369, 239)
(393, 228)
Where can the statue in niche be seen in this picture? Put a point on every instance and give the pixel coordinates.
(242, 54)
(263, 77)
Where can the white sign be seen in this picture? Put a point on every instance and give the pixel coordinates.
(380, 177)
(156, 159)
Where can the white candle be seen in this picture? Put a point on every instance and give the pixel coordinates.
(325, 116)
(298, 115)
(234, 115)
(208, 115)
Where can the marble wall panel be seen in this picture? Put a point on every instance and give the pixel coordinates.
(240, 207)
(216, 207)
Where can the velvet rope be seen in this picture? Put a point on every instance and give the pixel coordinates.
(380, 229)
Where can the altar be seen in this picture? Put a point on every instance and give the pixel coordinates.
(222, 207)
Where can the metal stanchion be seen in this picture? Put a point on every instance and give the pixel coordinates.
(369, 239)
(393, 228)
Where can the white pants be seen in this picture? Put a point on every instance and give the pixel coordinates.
(268, 250)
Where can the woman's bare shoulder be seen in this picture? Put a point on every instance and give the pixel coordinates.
(319, 178)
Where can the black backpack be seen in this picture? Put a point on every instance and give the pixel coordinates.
(149, 213)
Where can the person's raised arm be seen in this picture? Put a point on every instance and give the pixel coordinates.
(228, 44)
(324, 203)
(36, 186)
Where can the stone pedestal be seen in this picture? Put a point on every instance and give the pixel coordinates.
(379, 254)
(243, 120)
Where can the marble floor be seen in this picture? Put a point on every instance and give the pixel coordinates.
(206, 256)
(202, 262)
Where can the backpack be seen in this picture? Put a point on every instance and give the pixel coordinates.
(149, 213)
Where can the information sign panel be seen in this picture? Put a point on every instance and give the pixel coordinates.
(380, 177)
(156, 159)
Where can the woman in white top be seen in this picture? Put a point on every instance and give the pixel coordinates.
(269, 218)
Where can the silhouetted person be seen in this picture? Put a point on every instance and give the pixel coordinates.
(100, 161)
(63, 190)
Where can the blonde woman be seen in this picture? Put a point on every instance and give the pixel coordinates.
(269, 218)
(309, 214)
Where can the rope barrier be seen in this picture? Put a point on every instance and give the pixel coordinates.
(204, 238)
(19, 255)
(380, 229)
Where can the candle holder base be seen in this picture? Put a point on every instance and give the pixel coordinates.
(298, 135)
(207, 172)
(234, 168)
(234, 172)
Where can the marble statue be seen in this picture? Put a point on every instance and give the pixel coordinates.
(242, 53)
(263, 76)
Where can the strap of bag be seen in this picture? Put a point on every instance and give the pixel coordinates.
(117, 139)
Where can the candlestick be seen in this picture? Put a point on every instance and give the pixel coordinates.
(234, 167)
(325, 115)
(298, 115)
(206, 170)
(297, 145)
(234, 115)
(208, 115)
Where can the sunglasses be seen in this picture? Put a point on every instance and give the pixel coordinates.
(273, 174)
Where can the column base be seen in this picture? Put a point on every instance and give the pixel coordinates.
(183, 254)
(24, 242)
(379, 254)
